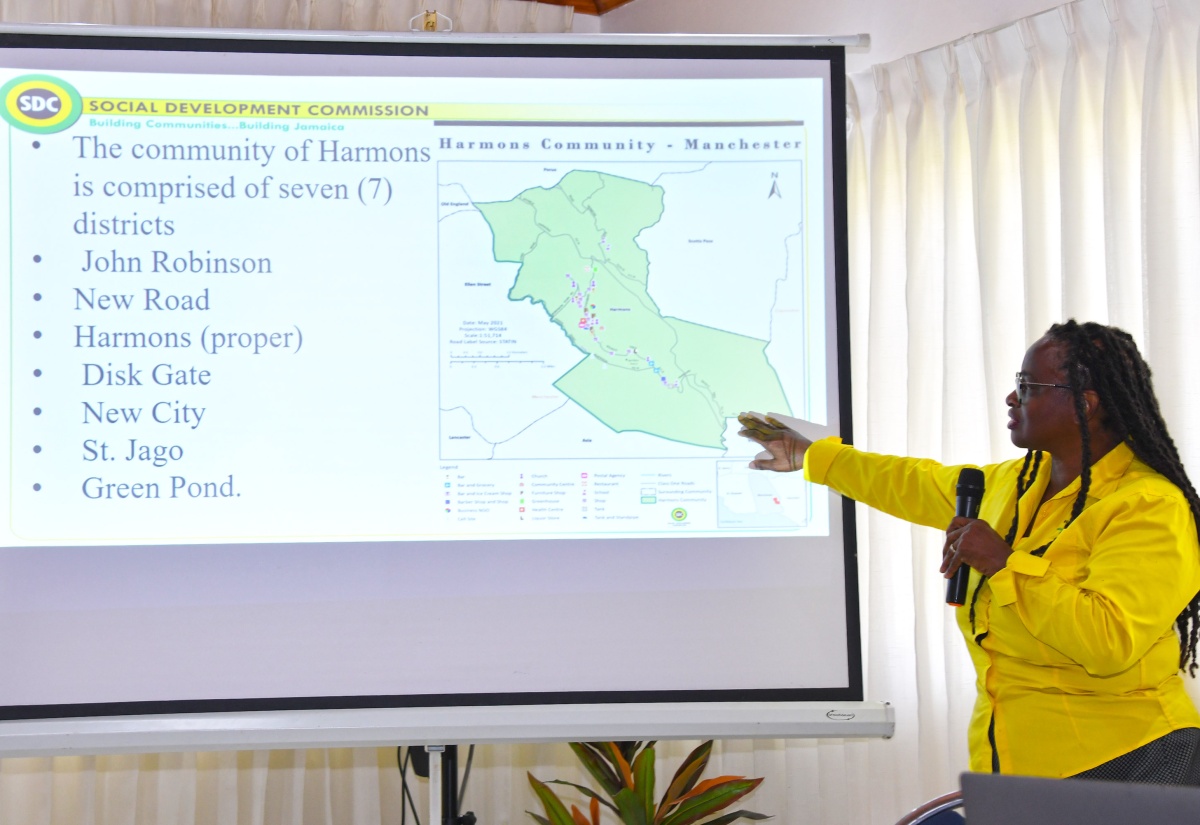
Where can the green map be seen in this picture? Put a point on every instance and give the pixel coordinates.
(577, 246)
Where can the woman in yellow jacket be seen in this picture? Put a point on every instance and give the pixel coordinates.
(1084, 562)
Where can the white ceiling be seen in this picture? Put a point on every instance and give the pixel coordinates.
(897, 27)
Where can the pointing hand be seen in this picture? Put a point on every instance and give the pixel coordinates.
(784, 447)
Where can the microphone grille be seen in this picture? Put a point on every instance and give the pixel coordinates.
(970, 481)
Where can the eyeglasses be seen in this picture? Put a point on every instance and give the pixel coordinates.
(1023, 385)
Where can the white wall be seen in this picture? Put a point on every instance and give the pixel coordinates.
(897, 27)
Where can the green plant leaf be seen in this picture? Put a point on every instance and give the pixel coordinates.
(716, 797)
(608, 751)
(630, 809)
(622, 764)
(685, 778)
(585, 791)
(600, 748)
(628, 749)
(725, 819)
(643, 780)
(596, 765)
(541, 820)
(708, 783)
(556, 811)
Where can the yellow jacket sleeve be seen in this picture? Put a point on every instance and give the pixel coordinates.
(915, 489)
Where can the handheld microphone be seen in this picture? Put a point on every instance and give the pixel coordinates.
(970, 493)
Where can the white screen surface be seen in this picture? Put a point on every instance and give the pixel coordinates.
(415, 376)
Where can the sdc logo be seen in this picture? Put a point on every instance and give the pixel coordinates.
(40, 103)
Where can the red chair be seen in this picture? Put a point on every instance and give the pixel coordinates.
(932, 808)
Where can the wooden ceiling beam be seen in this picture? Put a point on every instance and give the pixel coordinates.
(596, 7)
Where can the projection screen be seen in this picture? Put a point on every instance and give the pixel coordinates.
(363, 372)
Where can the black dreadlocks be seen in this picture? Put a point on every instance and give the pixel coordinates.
(1106, 360)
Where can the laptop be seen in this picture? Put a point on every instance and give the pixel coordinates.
(994, 799)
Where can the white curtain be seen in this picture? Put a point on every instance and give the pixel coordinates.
(997, 184)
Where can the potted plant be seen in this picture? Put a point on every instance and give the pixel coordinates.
(625, 772)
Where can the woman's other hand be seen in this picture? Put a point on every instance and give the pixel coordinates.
(973, 542)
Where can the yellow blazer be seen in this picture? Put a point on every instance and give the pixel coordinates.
(1075, 653)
